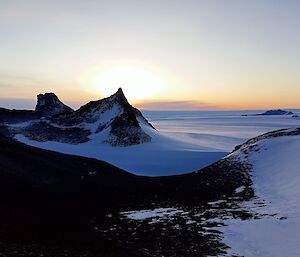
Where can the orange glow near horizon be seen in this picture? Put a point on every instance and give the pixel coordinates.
(155, 89)
(194, 105)
(76, 98)
(138, 82)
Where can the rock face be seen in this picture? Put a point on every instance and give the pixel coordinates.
(111, 120)
(48, 105)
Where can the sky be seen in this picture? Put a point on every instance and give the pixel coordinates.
(165, 54)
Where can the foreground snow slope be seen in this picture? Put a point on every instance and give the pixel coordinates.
(162, 156)
(275, 161)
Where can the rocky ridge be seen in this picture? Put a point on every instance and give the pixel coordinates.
(110, 120)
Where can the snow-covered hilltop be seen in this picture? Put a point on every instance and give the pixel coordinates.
(111, 120)
(274, 161)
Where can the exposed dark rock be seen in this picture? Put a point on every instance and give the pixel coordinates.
(70, 135)
(48, 105)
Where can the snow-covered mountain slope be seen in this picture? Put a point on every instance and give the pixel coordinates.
(274, 161)
(111, 120)
(113, 117)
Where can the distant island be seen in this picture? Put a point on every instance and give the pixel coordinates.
(271, 113)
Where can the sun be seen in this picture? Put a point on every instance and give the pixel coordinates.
(136, 82)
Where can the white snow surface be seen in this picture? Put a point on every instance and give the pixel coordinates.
(220, 130)
(148, 214)
(240, 189)
(186, 141)
(104, 119)
(276, 180)
(162, 156)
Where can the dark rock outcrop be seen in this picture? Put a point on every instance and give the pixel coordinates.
(48, 105)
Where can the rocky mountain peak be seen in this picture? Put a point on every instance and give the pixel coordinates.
(120, 97)
(47, 98)
(48, 105)
(120, 92)
(110, 120)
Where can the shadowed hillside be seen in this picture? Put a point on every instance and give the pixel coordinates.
(49, 199)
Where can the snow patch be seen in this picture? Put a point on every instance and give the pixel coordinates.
(147, 214)
(240, 189)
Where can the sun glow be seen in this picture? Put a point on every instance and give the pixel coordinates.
(137, 82)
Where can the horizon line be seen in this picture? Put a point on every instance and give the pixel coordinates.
(29, 104)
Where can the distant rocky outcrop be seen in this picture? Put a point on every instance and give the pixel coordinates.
(276, 112)
(110, 120)
(271, 113)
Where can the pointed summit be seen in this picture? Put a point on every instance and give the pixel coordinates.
(120, 92)
(48, 105)
(120, 96)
